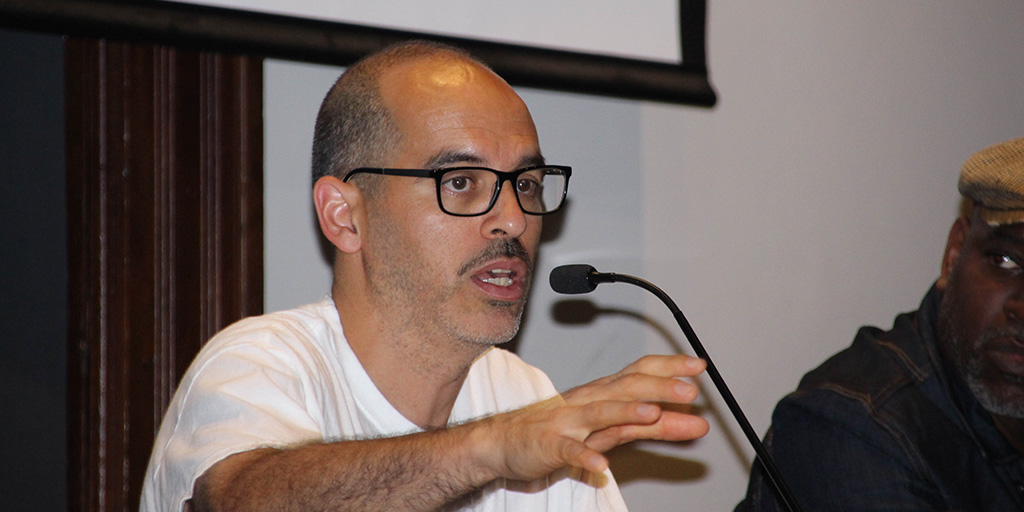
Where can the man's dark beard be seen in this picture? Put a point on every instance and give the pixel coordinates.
(963, 355)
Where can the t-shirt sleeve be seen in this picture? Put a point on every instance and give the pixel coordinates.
(239, 399)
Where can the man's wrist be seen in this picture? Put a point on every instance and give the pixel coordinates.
(481, 452)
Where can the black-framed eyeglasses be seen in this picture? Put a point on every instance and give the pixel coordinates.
(471, 191)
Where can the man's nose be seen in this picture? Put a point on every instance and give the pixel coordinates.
(1013, 307)
(506, 218)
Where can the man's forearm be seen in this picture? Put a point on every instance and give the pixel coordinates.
(421, 471)
(427, 470)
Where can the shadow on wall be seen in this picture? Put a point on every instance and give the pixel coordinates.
(632, 463)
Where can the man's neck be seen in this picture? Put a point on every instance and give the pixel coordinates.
(421, 377)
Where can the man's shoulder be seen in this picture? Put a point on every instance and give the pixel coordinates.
(308, 320)
(884, 378)
(307, 329)
(878, 364)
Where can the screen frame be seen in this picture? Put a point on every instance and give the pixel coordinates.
(265, 35)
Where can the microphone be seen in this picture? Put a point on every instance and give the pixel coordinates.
(582, 278)
(574, 279)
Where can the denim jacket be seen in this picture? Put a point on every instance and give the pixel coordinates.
(884, 426)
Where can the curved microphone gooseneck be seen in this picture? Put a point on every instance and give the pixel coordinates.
(582, 278)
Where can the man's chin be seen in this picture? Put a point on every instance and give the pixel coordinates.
(503, 337)
(1004, 397)
(499, 334)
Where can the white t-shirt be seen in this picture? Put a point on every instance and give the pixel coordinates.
(290, 377)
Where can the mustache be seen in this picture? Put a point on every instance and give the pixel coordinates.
(504, 248)
(1002, 338)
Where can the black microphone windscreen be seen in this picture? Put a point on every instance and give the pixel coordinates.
(572, 279)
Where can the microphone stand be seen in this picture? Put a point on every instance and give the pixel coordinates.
(782, 491)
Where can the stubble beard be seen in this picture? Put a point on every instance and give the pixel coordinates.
(964, 355)
(503, 248)
(410, 304)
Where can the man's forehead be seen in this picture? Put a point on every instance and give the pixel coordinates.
(432, 75)
(453, 111)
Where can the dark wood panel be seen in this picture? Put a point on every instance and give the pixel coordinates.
(165, 240)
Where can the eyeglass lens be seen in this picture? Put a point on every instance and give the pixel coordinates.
(471, 191)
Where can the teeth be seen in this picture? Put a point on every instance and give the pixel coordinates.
(501, 277)
(499, 281)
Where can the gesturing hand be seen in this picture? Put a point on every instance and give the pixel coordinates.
(578, 427)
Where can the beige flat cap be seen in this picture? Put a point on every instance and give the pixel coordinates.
(994, 179)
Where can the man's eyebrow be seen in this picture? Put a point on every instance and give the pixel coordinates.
(449, 157)
(535, 159)
(1007, 235)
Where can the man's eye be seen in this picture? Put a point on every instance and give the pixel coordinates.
(527, 186)
(457, 183)
(1005, 262)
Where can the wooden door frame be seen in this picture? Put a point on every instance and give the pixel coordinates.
(165, 240)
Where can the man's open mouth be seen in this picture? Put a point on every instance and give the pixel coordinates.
(499, 277)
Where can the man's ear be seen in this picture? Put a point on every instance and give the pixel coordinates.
(954, 245)
(338, 208)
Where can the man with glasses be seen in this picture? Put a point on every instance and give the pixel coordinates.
(391, 394)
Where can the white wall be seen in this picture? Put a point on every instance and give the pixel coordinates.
(814, 198)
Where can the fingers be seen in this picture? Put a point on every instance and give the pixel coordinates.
(650, 379)
(580, 455)
(635, 387)
(623, 404)
(533, 441)
(575, 429)
(607, 424)
(667, 366)
(603, 417)
(614, 423)
(660, 366)
(671, 426)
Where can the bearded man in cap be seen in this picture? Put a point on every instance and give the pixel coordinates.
(928, 415)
